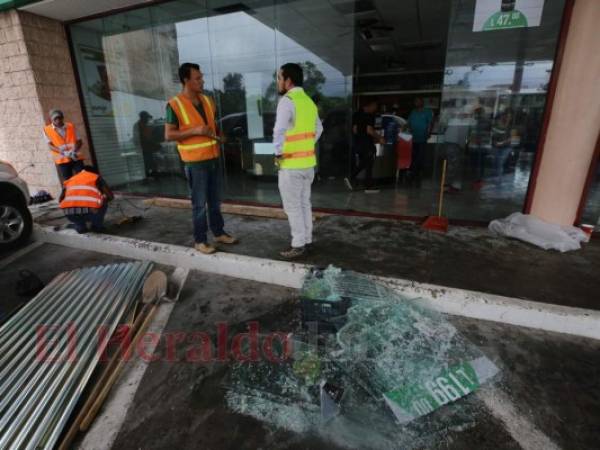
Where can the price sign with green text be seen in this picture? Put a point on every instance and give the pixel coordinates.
(491, 15)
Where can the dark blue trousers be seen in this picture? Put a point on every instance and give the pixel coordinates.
(205, 186)
(96, 219)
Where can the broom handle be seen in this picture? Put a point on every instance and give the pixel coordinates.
(441, 202)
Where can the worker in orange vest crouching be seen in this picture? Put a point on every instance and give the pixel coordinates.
(64, 144)
(84, 199)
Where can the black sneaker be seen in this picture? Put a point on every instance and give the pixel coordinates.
(79, 229)
(309, 247)
(292, 252)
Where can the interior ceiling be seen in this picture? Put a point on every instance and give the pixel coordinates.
(329, 28)
(412, 35)
(375, 35)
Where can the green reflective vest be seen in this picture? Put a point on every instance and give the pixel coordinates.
(299, 144)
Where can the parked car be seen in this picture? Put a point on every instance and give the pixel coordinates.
(238, 149)
(15, 218)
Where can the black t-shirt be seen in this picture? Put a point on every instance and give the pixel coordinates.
(362, 140)
(362, 120)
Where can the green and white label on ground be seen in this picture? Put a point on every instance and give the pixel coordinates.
(420, 398)
(491, 15)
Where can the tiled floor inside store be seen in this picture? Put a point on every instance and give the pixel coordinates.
(498, 197)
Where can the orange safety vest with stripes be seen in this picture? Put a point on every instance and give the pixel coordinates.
(298, 150)
(81, 191)
(195, 148)
(66, 143)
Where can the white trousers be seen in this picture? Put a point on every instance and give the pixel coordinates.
(294, 187)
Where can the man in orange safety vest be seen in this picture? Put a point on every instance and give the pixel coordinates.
(65, 145)
(84, 199)
(190, 121)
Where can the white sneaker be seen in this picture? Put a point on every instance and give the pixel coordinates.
(348, 184)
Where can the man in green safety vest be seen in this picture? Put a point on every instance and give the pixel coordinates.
(297, 129)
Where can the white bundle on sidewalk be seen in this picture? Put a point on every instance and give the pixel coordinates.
(537, 232)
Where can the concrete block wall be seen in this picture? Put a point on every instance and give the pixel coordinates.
(36, 74)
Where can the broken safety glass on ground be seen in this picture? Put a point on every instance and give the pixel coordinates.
(368, 370)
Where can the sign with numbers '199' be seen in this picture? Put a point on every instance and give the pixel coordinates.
(420, 398)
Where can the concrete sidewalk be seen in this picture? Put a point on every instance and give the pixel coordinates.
(547, 396)
(465, 258)
(549, 384)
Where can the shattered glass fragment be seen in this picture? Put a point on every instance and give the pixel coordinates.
(331, 396)
(380, 381)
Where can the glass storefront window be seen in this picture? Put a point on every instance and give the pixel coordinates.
(239, 48)
(493, 99)
(486, 91)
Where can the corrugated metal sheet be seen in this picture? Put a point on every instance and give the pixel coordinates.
(50, 348)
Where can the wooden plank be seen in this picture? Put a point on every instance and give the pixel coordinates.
(229, 208)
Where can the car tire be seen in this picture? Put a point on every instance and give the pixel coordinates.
(15, 223)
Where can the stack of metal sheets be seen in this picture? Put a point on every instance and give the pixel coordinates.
(50, 348)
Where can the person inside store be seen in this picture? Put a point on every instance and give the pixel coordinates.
(364, 138)
(190, 121)
(65, 145)
(420, 123)
(501, 140)
(479, 138)
(84, 199)
(143, 138)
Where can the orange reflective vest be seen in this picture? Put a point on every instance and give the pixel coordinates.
(195, 148)
(66, 144)
(81, 191)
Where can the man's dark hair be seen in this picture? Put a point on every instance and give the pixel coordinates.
(369, 102)
(293, 72)
(185, 71)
